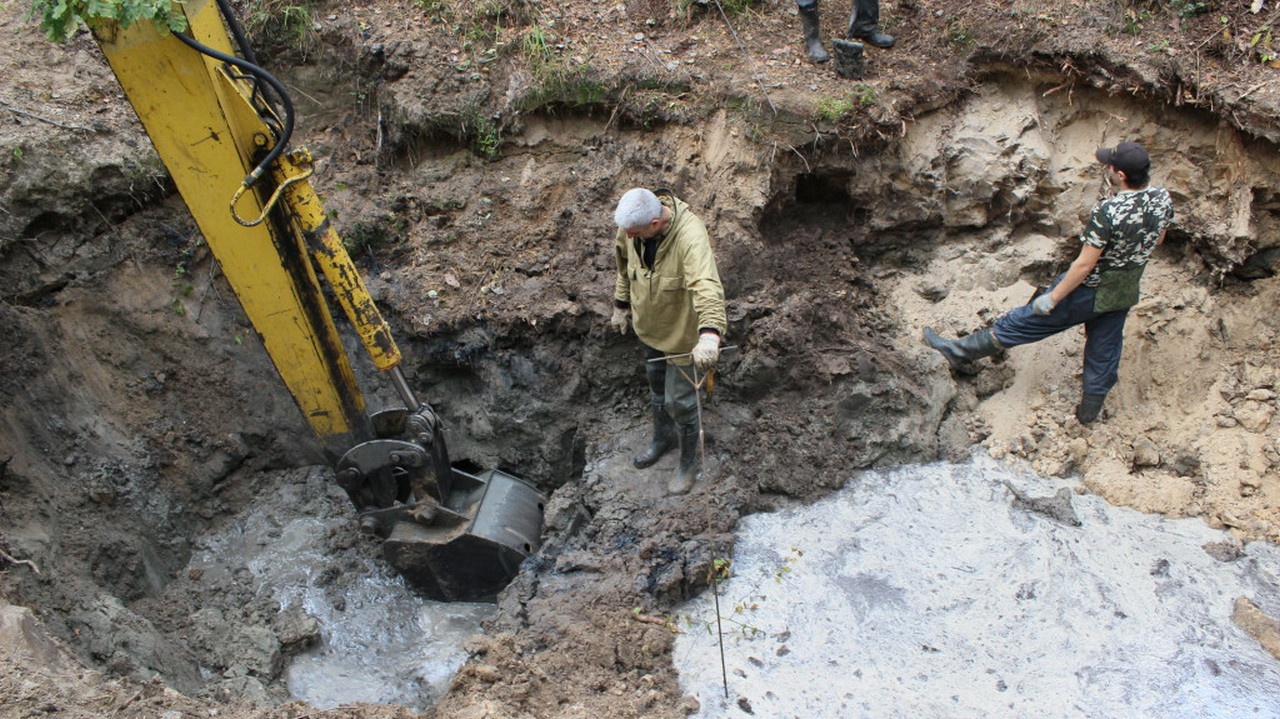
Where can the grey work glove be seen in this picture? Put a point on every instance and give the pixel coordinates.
(1043, 304)
(707, 351)
(620, 319)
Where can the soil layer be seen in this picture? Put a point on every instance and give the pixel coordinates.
(471, 155)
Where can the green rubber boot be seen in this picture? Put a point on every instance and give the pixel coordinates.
(687, 471)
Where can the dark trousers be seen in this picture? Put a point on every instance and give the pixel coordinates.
(866, 15)
(671, 386)
(1104, 334)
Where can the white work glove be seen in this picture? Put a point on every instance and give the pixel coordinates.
(1043, 304)
(707, 351)
(619, 319)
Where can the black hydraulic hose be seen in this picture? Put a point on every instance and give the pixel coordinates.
(237, 30)
(266, 77)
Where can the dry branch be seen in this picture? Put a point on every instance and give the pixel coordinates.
(26, 562)
(34, 116)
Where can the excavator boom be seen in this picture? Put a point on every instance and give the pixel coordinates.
(221, 124)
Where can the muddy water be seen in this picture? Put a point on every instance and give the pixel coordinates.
(926, 592)
(380, 643)
(388, 647)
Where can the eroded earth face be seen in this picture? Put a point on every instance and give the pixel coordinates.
(473, 169)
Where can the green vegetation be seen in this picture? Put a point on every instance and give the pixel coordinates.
(1261, 45)
(435, 8)
(730, 7)
(961, 37)
(366, 235)
(60, 18)
(280, 23)
(1189, 8)
(483, 134)
(742, 610)
(1133, 21)
(560, 81)
(565, 86)
(832, 109)
(535, 46)
(1143, 10)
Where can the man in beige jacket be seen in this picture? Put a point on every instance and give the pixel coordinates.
(669, 290)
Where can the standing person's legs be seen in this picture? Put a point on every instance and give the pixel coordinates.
(812, 30)
(1021, 325)
(681, 395)
(1018, 326)
(682, 403)
(863, 23)
(664, 429)
(1103, 346)
(865, 18)
(655, 374)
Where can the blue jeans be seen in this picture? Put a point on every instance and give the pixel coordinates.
(1104, 334)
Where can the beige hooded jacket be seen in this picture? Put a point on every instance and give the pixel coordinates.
(681, 295)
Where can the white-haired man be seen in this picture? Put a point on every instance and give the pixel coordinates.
(668, 289)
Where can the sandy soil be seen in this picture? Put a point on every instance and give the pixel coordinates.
(139, 410)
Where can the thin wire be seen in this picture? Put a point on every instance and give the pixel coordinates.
(715, 591)
(702, 461)
(747, 55)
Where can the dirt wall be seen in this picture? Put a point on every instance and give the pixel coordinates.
(140, 410)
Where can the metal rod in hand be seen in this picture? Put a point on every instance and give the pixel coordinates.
(687, 354)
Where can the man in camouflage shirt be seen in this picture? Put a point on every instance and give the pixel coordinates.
(1099, 287)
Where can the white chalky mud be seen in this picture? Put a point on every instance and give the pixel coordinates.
(388, 647)
(923, 592)
(383, 644)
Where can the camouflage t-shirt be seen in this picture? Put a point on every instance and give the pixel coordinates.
(1127, 227)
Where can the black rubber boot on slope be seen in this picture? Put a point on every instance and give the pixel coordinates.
(966, 349)
(1089, 408)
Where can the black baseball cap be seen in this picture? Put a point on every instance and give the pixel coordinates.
(1127, 157)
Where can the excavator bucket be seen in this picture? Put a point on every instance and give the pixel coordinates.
(474, 543)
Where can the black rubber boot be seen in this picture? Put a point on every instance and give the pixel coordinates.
(875, 38)
(664, 438)
(862, 25)
(966, 349)
(1089, 408)
(813, 34)
(687, 471)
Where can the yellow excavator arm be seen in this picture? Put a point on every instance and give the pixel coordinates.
(222, 125)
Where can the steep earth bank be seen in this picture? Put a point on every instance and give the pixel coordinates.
(475, 174)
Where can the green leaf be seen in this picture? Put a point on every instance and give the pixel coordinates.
(59, 19)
